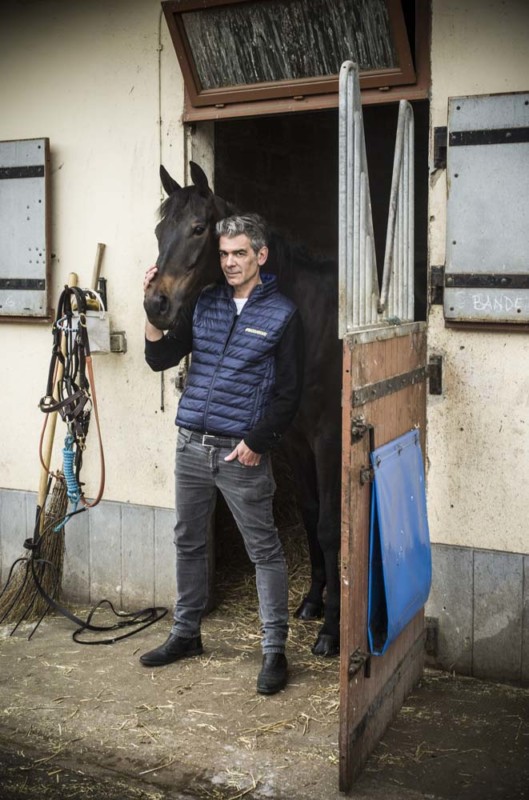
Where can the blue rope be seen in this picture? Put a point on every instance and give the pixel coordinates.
(68, 455)
(72, 487)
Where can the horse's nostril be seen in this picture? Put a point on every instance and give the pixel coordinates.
(157, 305)
(163, 304)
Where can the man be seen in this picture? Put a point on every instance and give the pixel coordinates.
(242, 392)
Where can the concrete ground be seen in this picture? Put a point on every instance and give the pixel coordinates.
(90, 722)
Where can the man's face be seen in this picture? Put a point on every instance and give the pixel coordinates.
(240, 264)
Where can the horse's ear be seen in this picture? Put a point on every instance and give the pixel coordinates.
(168, 183)
(198, 176)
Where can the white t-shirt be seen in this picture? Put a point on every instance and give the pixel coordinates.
(240, 303)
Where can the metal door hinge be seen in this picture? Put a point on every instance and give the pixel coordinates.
(440, 141)
(437, 282)
(357, 660)
(435, 374)
(431, 644)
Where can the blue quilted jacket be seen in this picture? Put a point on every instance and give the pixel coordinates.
(232, 373)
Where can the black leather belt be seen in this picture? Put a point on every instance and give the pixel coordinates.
(210, 440)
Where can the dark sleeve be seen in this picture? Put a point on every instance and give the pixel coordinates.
(290, 359)
(176, 343)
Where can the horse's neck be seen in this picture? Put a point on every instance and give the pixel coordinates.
(303, 276)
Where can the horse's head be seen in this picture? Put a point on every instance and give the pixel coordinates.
(187, 250)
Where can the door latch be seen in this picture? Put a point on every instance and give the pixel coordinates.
(359, 428)
(357, 660)
(367, 475)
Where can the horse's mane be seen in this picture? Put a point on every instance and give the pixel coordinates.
(173, 204)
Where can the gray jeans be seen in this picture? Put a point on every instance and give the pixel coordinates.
(200, 470)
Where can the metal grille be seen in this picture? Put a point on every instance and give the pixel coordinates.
(361, 301)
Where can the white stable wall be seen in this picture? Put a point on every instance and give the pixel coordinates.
(101, 80)
(478, 430)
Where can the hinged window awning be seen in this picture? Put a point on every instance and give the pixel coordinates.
(234, 52)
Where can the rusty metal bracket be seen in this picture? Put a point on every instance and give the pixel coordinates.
(517, 135)
(440, 137)
(357, 660)
(435, 374)
(486, 280)
(381, 389)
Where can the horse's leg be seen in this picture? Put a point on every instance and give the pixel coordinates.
(311, 607)
(328, 463)
(303, 465)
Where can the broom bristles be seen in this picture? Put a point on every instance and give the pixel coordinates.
(21, 600)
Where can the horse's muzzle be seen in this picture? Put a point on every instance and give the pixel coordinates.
(158, 309)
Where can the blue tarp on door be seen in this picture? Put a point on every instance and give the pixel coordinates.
(400, 565)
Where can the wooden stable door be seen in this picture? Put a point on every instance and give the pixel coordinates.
(384, 396)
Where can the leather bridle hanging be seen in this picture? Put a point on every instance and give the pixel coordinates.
(73, 394)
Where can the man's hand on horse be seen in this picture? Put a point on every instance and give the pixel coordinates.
(246, 456)
(149, 277)
(152, 333)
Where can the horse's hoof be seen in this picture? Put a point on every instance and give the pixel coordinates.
(326, 645)
(308, 610)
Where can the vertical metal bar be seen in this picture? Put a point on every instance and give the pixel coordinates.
(357, 244)
(397, 294)
(343, 256)
(405, 278)
(350, 198)
(393, 200)
(370, 306)
(411, 214)
(349, 164)
(369, 264)
(400, 240)
(361, 272)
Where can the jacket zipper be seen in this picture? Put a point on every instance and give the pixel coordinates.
(226, 343)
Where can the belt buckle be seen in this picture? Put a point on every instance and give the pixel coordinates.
(207, 436)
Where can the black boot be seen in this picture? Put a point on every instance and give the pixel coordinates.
(274, 673)
(174, 648)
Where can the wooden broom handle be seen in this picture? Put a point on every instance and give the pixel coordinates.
(97, 264)
(50, 421)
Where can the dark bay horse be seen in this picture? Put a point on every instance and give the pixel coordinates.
(187, 261)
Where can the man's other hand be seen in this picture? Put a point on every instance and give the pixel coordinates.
(246, 456)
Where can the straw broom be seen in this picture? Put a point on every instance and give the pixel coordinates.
(20, 600)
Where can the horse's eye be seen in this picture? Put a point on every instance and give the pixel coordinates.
(198, 230)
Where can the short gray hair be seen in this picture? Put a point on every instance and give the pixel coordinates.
(251, 225)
